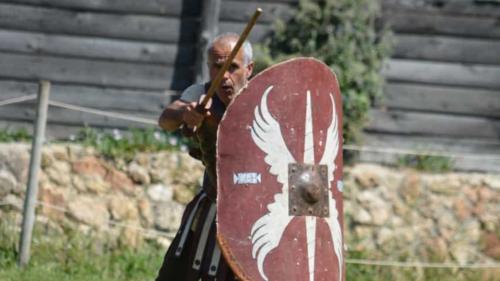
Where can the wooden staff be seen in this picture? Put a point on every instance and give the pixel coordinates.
(188, 132)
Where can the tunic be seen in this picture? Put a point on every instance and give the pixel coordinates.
(194, 253)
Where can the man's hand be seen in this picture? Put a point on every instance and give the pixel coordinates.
(192, 117)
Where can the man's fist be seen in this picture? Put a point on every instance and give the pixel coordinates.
(192, 117)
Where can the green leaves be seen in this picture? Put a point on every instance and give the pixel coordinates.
(343, 34)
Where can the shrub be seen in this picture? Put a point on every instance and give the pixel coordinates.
(125, 144)
(343, 34)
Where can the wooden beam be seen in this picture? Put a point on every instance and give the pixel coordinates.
(483, 150)
(449, 7)
(133, 27)
(447, 49)
(432, 124)
(259, 32)
(95, 97)
(96, 48)
(453, 25)
(439, 73)
(67, 117)
(153, 7)
(444, 99)
(91, 72)
(238, 11)
(209, 24)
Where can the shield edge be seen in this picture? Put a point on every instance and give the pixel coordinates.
(226, 251)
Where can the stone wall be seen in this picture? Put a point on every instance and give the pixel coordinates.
(141, 199)
(390, 213)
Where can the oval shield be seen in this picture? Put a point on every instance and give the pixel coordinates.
(279, 168)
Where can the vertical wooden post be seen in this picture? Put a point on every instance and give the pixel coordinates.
(208, 30)
(32, 190)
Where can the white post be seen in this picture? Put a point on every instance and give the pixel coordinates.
(32, 190)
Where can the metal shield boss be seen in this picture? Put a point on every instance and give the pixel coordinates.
(279, 169)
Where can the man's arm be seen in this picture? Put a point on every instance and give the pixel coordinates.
(172, 116)
(181, 112)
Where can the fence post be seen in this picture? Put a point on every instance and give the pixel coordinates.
(32, 190)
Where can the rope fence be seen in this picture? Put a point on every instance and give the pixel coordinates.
(103, 113)
(18, 100)
(347, 147)
(416, 264)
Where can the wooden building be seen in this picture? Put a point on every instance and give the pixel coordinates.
(133, 57)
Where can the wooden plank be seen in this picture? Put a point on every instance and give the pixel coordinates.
(432, 124)
(480, 76)
(91, 72)
(442, 99)
(452, 7)
(456, 146)
(155, 7)
(96, 48)
(242, 11)
(451, 49)
(453, 25)
(292, 2)
(137, 27)
(94, 97)
(259, 32)
(61, 116)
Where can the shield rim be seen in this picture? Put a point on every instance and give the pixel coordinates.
(226, 251)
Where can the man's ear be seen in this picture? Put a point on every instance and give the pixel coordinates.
(249, 69)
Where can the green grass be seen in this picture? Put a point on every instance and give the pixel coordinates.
(74, 256)
(70, 255)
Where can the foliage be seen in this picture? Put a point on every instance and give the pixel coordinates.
(427, 163)
(9, 135)
(342, 34)
(125, 144)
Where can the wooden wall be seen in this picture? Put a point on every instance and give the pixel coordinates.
(443, 81)
(125, 56)
(128, 56)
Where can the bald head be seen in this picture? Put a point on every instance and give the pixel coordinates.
(230, 39)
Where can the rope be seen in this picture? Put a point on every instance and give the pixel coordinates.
(103, 113)
(352, 147)
(17, 100)
(423, 264)
(349, 147)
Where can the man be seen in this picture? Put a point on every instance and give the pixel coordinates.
(194, 253)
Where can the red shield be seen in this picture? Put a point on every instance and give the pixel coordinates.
(280, 142)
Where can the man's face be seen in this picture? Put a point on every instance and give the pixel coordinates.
(236, 76)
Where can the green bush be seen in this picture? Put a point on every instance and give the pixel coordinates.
(125, 144)
(14, 135)
(427, 163)
(343, 34)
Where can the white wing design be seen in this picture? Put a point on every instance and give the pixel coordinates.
(328, 158)
(268, 230)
